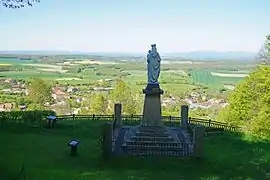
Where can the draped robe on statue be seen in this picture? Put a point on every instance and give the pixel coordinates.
(153, 66)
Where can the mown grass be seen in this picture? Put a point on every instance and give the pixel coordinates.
(45, 155)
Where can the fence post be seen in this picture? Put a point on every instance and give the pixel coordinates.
(189, 120)
(209, 122)
(93, 117)
(199, 141)
(117, 115)
(184, 116)
(73, 116)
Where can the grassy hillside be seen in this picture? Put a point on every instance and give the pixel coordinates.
(45, 155)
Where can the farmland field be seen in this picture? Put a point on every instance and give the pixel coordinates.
(31, 74)
(13, 61)
(232, 75)
(174, 74)
(205, 77)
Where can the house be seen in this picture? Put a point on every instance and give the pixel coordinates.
(10, 81)
(6, 107)
(80, 99)
(191, 100)
(73, 89)
(6, 90)
(58, 93)
(169, 102)
(194, 94)
(102, 89)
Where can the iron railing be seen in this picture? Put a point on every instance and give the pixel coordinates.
(127, 120)
(171, 121)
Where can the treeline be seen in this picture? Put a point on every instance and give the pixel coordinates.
(249, 104)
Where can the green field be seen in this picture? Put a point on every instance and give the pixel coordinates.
(173, 75)
(32, 73)
(45, 155)
(14, 61)
(204, 77)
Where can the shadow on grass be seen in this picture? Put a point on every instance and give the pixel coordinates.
(225, 157)
(46, 156)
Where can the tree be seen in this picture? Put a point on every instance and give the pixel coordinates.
(99, 104)
(249, 104)
(122, 94)
(95, 103)
(264, 53)
(40, 92)
(15, 4)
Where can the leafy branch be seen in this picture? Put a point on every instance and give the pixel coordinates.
(16, 4)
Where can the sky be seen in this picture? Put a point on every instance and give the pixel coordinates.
(132, 25)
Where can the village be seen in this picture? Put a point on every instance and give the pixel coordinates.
(64, 95)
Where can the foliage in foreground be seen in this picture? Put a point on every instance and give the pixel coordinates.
(24, 117)
(250, 104)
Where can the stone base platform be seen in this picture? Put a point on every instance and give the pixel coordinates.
(151, 141)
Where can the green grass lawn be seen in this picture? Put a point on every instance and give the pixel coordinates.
(45, 156)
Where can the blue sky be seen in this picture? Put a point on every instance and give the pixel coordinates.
(132, 25)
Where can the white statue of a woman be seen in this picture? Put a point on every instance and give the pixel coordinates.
(153, 65)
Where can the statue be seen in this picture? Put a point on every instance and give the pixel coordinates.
(153, 66)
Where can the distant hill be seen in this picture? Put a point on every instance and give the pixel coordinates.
(213, 55)
(195, 55)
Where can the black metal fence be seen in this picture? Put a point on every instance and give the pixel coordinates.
(171, 121)
(213, 124)
(40, 118)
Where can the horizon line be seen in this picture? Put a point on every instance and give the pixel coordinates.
(128, 52)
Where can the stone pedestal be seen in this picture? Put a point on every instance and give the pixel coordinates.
(152, 106)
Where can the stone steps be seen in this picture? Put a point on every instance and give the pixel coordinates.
(151, 148)
(142, 133)
(151, 143)
(152, 138)
(150, 153)
(152, 129)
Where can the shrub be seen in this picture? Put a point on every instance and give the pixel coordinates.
(25, 117)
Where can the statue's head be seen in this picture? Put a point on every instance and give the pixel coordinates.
(154, 48)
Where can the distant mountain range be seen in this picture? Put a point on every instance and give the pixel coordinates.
(214, 55)
(198, 55)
